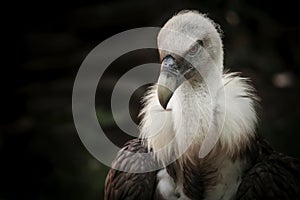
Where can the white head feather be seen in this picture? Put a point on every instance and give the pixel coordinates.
(216, 106)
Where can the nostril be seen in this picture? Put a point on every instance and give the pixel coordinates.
(168, 61)
(169, 64)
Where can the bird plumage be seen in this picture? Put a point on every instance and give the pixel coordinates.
(124, 185)
(205, 137)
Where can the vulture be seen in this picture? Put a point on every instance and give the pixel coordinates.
(199, 129)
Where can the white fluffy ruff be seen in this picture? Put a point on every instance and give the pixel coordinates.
(192, 114)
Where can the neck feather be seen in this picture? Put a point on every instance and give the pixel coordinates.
(196, 119)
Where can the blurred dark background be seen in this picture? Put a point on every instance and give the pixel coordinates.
(44, 44)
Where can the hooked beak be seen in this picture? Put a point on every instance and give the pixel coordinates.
(171, 77)
(168, 80)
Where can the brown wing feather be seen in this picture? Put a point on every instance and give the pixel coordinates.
(129, 186)
(273, 176)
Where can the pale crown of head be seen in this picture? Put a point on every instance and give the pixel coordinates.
(183, 31)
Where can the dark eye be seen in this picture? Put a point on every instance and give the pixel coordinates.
(195, 48)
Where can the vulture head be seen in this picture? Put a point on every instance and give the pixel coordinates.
(194, 105)
(190, 48)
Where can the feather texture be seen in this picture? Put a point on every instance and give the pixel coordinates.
(206, 138)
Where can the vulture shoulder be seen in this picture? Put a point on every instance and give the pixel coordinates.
(273, 176)
(129, 186)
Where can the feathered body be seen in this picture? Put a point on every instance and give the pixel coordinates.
(206, 137)
(182, 130)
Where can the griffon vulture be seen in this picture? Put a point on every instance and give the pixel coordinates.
(199, 122)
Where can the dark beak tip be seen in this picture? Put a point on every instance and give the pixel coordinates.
(164, 96)
(163, 103)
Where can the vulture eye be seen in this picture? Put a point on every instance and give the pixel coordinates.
(195, 48)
